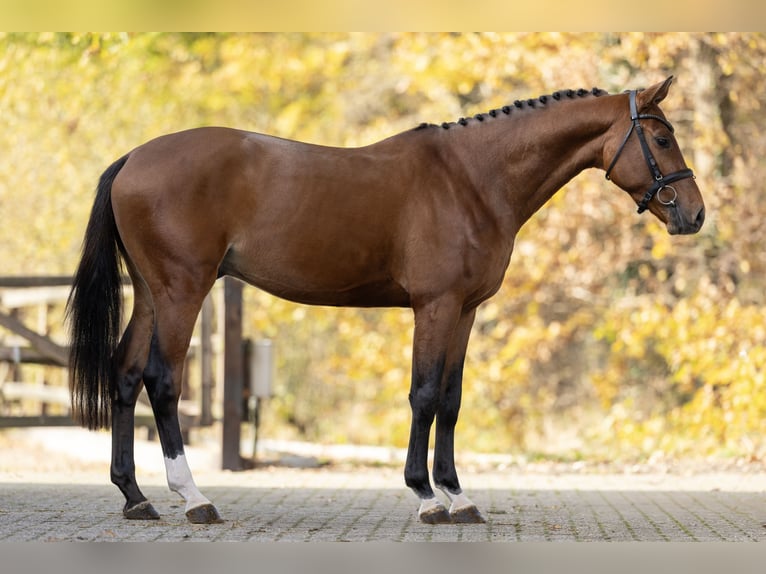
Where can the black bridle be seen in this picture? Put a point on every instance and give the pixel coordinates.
(661, 182)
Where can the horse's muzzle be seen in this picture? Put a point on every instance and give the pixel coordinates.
(678, 225)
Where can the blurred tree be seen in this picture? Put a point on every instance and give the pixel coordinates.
(607, 331)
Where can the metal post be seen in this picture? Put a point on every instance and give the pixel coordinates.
(261, 366)
(233, 375)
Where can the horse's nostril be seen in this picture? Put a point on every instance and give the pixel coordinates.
(700, 219)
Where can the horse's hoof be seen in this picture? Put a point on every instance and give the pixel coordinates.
(433, 512)
(467, 515)
(141, 511)
(436, 516)
(204, 514)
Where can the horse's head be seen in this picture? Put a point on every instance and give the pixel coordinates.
(644, 159)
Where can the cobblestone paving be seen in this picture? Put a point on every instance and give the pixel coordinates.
(368, 504)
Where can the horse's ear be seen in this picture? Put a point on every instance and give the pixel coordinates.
(654, 94)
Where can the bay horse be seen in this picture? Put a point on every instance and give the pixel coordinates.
(425, 219)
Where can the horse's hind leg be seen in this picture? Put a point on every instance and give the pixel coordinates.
(175, 318)
(461, 510)
(130, 358)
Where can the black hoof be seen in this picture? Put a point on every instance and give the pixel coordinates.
(436, 515)
(205, 514)
(141, 511)
(467, 515)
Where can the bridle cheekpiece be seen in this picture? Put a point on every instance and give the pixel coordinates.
(661, 182)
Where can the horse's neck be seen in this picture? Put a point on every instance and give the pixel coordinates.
(527, 158)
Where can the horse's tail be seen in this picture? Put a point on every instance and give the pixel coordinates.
(94, 310)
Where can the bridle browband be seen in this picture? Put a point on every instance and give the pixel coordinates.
(661, 182)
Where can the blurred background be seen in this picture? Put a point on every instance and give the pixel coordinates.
(608, 340)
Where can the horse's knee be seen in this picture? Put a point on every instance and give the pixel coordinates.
(424, 403)
(447, 415)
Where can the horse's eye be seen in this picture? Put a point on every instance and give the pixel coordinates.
(662, 142)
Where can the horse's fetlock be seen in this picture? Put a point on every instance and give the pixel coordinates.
(417, 481)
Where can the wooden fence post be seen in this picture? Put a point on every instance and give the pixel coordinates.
(234, 378)
(207, 378)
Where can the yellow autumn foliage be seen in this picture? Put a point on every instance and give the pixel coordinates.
(609, 338)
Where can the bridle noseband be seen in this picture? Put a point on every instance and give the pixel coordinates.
(661, 182)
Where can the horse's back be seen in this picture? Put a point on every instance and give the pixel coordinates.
(311, 223)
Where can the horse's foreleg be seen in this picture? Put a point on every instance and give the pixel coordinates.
(444, 473)
(434, 325)
(163, 384)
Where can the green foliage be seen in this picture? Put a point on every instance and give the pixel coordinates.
(606, 328)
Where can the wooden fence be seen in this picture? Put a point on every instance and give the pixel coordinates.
(31, 318)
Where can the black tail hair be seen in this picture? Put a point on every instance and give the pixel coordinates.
(94, 310)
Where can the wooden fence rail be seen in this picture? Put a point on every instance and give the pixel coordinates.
(21, 281)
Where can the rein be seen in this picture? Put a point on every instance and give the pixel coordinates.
(661, 182)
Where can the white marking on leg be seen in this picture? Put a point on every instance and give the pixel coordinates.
(180, 480)
(457, 501)
(429, 504)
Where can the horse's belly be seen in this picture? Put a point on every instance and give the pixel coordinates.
(374, 294)
(319, 285)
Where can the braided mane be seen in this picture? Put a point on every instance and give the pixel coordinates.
(519, 104)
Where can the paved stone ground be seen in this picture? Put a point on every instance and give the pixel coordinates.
(342, 502)
(363, 505)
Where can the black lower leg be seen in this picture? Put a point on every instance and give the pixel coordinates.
(416, 466)
(445, 475)
(424, 401)
(123, 467)
(158, 378)
(462, 510)
(444, 472)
